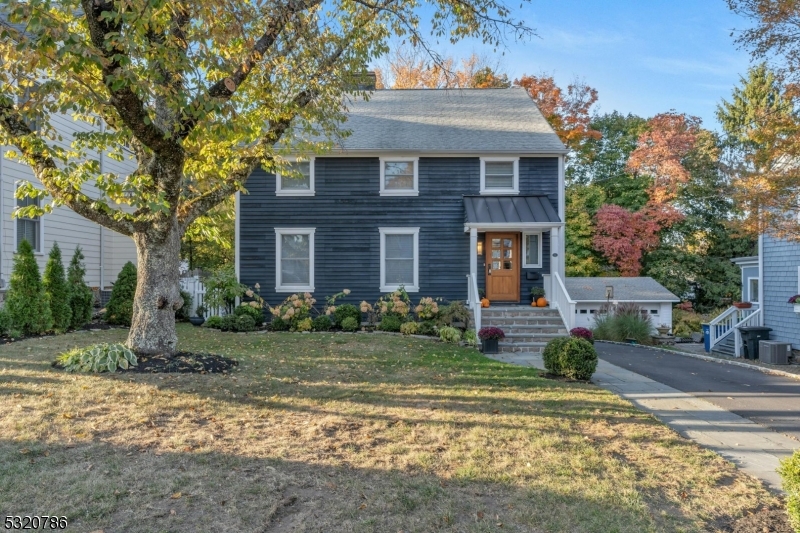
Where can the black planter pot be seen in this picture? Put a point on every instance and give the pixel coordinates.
(197, 320)
(490, 346)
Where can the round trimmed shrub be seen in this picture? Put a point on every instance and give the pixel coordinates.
(349, 324)
(57, 290)
(790, 474)
(244, 323)
(279, 324)
(390, 323)
(577, 359)
(228, 323)
(427, 327)
(214, 322)
(344, 311)
(256, 313)
(120, 306)
(552, 355)
(409, 328)
(322, 323)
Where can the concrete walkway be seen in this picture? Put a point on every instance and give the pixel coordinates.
(755, 449)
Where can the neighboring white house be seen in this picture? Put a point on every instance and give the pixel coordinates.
(592, 295)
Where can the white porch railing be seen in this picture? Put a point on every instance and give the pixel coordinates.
(194, 286)
(753, 319)
(724, 324)
(474, 300)
(560, 298)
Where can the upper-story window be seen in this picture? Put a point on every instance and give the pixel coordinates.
(29, 228)
(297, 179)
(399, 176)
(499, 175)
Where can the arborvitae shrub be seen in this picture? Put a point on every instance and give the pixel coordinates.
(55, 285)
(26, 302)
(81, 299)
(120, 307)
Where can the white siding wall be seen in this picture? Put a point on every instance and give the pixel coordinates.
(585, 313)
(63, 225)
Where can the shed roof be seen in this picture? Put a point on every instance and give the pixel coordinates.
(642, 289)
(449, 120)
(508, 210)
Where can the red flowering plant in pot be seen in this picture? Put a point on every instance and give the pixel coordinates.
(490, 338)
(583, 333)
(796, 301)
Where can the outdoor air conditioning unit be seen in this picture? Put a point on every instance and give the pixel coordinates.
(774, 353)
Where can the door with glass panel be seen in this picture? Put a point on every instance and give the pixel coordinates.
(502, 267)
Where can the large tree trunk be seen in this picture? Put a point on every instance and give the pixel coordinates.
(157, 291)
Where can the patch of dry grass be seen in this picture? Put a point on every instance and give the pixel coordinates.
(344, 433)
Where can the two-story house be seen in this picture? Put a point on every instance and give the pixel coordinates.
(432, 188)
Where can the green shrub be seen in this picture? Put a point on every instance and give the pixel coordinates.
(578, 359)
(350, 324)
(98, 358)
(346, 310)
(453, 312)
(304, 325)
(120, 306)
(294, 309)
(182, 314)
(471, 338)
(244, 323)
(278, 324)
(213, 322)
(81, 298)
(256, 313)
(5, 322)
(427, 327)
(409, 328)
(390, 323)
(55, 285)
(228, 323)
(790, 474)
(552, 355)
(322, 323)
(450, 334)
(222, 289)
(621, 323)
(26, 301)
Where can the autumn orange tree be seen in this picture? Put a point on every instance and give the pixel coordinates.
(203, 93)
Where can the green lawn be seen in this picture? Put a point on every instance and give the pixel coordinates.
(342, 432)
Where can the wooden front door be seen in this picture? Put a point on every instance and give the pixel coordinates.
(502, 267)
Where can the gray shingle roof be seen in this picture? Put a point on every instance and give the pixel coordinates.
(452, 120)
(508, 209)
(625, 289)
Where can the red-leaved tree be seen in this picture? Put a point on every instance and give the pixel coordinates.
(623, 236)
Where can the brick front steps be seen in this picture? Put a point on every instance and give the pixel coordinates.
(527, 329)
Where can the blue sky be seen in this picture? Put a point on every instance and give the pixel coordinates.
(643, 56)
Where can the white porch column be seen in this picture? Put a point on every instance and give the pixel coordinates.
(473, 254)
(555, 252)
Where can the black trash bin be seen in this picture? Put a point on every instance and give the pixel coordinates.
(751, 335)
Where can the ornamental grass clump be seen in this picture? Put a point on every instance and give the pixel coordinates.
(622, 322)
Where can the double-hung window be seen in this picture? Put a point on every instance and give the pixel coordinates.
(499, 175)
(29, 228)
(294, 259)
(531, 250)
(399, 259)
(399, 176)
(296, 179)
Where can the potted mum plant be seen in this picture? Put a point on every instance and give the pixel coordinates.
(490, 337)
(199, 317)
(796, 301)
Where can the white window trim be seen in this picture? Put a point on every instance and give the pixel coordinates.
(279, 191)
(41, 225)
(525, 250)
(399, 231)
(750, 290)
(514, 189)
(399, 192)
(279, 286)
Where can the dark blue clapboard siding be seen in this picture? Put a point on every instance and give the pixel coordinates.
(347, 211)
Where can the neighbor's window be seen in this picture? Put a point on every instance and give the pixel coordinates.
(532, 250)
(29, 229)
(399, 259)
(754, 290)
(297, 179)
(499, 175)
(399, 176)
(294, 265)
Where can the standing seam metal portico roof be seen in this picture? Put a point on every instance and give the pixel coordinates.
(509, 210)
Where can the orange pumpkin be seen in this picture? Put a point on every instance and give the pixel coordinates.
(484, 302)
(541, 302)
(533, 303)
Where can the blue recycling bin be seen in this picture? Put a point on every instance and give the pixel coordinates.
(706, 337)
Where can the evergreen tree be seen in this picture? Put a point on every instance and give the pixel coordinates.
(26, 301)
(55, 285)
(81, 297)
(120, 307)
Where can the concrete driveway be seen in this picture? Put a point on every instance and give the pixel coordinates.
(769, 400)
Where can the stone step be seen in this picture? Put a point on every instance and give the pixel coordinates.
(521, 338)
(532, 347)
(520, 312)
(522, 321)
(533, 329)
(724, 350)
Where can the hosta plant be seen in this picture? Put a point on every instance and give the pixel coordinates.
(450, 334)
(98, 358)
(471, 338)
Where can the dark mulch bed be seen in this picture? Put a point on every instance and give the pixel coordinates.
(184, 362)
(762, 521)
(92, 326)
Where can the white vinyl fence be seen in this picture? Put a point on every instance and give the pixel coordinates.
(194, 286)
